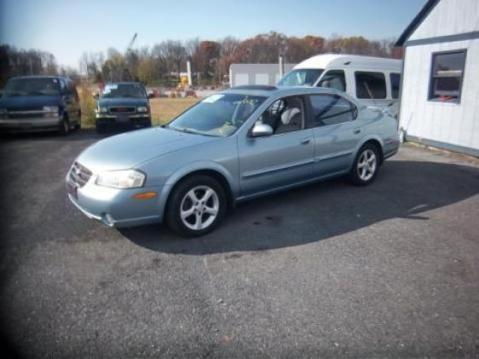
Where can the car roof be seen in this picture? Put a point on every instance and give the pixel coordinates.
(324, 60)
(283, 91)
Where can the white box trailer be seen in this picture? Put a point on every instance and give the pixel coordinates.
(256, 74)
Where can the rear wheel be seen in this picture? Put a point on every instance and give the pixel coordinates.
(196, 206)
(366, 165)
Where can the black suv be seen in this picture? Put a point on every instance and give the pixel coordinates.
(122, 105)
(32, 103)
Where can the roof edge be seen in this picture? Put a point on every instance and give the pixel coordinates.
(416, 22)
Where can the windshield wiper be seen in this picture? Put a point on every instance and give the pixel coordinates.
(191, 130)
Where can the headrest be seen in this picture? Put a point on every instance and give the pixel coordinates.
(288, 114)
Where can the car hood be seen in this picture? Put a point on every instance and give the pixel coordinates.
(28, 102)
(131, 149)
(126, 101)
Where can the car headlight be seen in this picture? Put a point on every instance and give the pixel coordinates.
(121, 179)
(50, 109)
(142, 109)
(102, 110)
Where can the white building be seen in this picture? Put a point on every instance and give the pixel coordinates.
(256, 74)
(440, 88)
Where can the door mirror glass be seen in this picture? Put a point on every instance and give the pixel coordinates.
(261, 129)
(355, 112)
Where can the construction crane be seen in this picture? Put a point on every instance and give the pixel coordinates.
(130, 44)
(126, 76)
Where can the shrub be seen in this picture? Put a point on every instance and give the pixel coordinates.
(87, 103)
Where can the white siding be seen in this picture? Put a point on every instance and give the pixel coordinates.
(261, 79)
(456, 124)
(241, 79)
(449, 17)
(255, 74)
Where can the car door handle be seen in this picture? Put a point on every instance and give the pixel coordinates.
(356, 131)
(305, 141)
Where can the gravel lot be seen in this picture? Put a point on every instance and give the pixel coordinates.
(328, 270)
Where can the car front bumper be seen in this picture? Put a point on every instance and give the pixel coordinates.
(116, 207)
(30, 124)
(111, 122)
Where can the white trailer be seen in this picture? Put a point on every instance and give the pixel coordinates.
(256, 74)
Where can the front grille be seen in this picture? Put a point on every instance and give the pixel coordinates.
(79, 175)
(122, 109)
(25, 114)
(24, 108)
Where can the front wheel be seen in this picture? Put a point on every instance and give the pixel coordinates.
(366, 165)
(196, 206)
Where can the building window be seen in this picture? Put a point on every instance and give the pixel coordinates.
(446, 76)
(395, 84)
(370, 85)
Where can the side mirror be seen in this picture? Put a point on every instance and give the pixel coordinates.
(355, 112)
(261, 129)
(96, 95)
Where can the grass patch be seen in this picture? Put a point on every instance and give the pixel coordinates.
(163, 110)
(87, 105)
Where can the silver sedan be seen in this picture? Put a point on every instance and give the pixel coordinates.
(233, 146)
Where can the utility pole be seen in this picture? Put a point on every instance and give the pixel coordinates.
(188, 71)
(281, 66)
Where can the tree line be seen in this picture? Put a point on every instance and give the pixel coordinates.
(162, 63)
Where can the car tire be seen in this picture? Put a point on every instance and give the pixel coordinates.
(64, 127)
(196, 206)
(366, 165)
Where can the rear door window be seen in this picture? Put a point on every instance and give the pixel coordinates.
(370, 85)
(333, 79)
(331, 110)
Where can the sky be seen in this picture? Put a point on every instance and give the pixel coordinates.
(68, 28)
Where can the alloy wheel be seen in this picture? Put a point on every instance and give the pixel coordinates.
(367, 164)
(199, 207)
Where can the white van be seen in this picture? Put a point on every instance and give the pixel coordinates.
(373, 81)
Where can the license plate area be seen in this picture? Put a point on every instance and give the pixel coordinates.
(122, 118)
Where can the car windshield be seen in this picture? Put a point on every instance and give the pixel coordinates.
(301, 77)
(123, 90)
(32, 87)
(217, 115)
